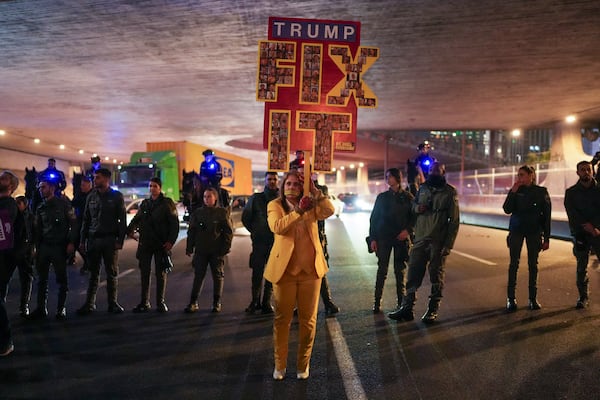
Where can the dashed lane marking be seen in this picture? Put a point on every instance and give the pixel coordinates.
(481, 260)
(103, 283)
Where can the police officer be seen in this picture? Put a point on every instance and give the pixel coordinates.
(582, 202)
(54, 174)
(103, 230)
(436, 228)
(158, 227)
(254, 218)
(55, 237)
(210, 169)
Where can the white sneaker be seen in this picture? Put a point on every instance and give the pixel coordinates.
(278, 375)
(303, 375)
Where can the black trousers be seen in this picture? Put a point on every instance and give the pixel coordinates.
(55, 254)
(103, 249)
(533, 242)
(200, 262)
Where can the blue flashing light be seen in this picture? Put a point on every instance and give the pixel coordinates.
(212, 165)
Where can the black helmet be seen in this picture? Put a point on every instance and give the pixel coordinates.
(208, 152)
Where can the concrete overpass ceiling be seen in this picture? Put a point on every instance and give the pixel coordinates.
(107, 76)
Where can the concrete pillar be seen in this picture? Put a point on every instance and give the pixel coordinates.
(340, 177)
(362, 179)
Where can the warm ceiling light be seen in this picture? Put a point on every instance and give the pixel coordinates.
(106, 158)
(114, 160)
(36, 141)
(80, 151)
(516, 132)
(62, 146)
(333, 169)
(95, 155)
(351, 166)
(570, 119)
(2, 132)
(342, 168)
(361, 164)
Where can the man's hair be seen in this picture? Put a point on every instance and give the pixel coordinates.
(156, 180)
(584, 162)
(14, 180)
(104, 172)
(22, 200)
(270, 173)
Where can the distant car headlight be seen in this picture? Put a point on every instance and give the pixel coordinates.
(363, 205)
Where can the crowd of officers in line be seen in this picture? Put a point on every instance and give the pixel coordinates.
(420, 229)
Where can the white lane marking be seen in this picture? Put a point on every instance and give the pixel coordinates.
(103, 283)
(481, 260)
(352, 385)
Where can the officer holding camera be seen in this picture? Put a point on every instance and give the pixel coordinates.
(582, 202)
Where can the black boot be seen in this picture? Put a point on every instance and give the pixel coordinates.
(511, 305)
(378, 296)
(432, 311)
(161, 288)
(113, 305)
(405, 312)
(25, 297)
(217, 293)
(330, 307)
(90, 302)
(266, 307)
(61, 310)
(42, 298)
(255, 303)
(533, 303)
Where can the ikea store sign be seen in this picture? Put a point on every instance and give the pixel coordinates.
(227, 167)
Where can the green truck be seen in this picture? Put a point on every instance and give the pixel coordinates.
(132, 179)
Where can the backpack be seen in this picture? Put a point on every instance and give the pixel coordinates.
(7, 234)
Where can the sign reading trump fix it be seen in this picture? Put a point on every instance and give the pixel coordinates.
(310, 78)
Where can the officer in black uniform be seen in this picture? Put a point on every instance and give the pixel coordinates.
(23, 255)
(55, 238)
(158, 227)
(102, 234)
(254, 218)
(211, 169)
(54, 174)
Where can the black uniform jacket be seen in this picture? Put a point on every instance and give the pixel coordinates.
(55, 222)
(209, 232)
(157, 223)
(582, 205)
(392, 213)
(530, 210)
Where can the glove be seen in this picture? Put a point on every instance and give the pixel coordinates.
(306, 203)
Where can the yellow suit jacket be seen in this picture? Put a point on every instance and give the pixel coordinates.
(283, 226)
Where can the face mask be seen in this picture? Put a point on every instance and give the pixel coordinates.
(436, 180)
(291, 192)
